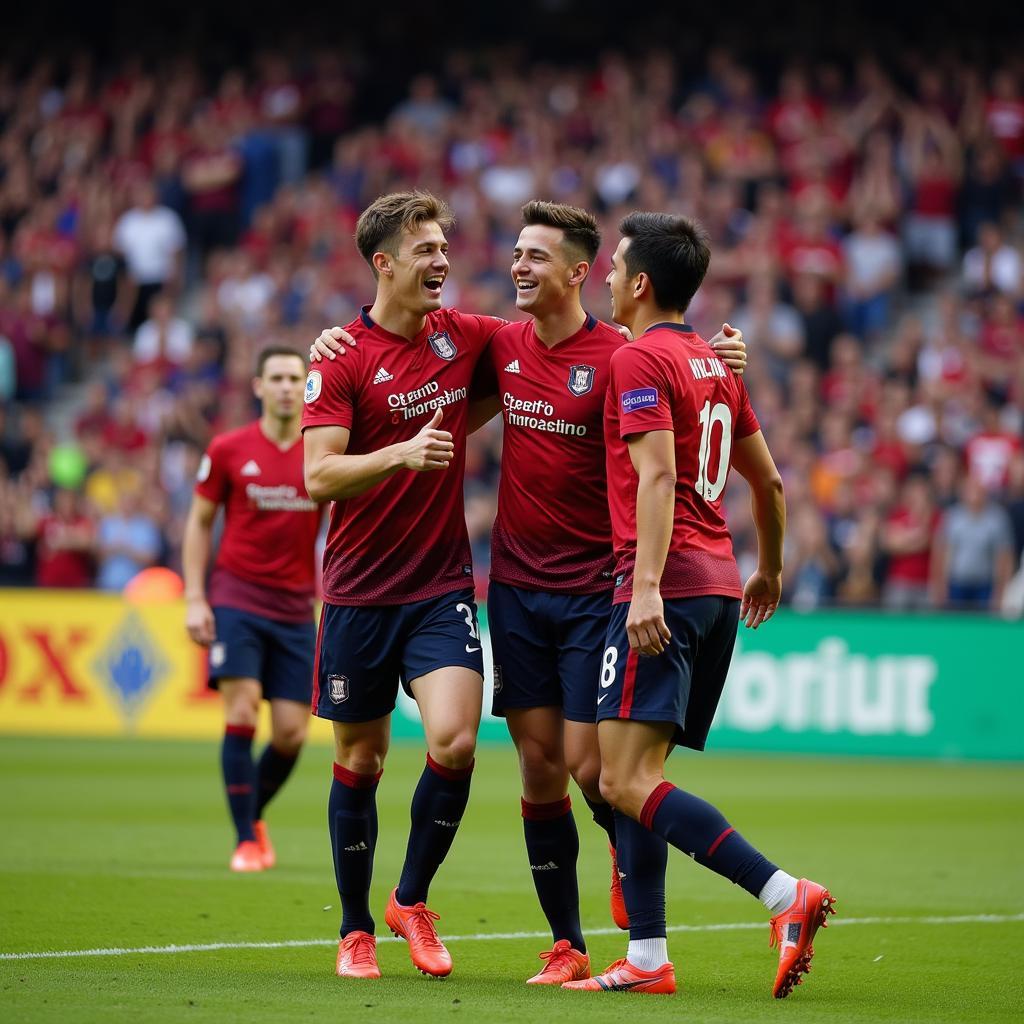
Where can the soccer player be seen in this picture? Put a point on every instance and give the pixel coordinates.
(552, 560)
(256, 614)
(675, 420)
(385, 436)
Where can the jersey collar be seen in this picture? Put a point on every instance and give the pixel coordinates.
(671, 326)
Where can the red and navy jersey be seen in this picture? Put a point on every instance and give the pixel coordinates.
(405, 539)
(670, 379)
(552, 530)
(266, 562)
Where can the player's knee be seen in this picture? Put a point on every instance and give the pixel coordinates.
(614, 788)
(586, 774)
(540, 763)
(454, 751)
(289, 739)
(243, 712)
(364, 756)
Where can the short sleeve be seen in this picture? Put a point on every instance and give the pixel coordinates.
(329, 398)
(746, 419)
(640, 391)
(212, 479)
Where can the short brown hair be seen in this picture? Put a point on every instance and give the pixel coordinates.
(380, 225)
(277, 350)
(582, 238)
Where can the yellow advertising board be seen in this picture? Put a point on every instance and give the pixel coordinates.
(89, 664)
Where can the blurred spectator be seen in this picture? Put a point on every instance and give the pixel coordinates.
(128, 541)
(974, 555)
(65, 544)
(907, 538)
(992, 265)
(163, 338)
(873, 266)
(151, 238)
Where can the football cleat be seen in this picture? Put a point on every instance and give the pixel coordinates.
(622, 976)
(357, 956)
(563, 964)
(415, 924)
(247, 857)
(793, 932)
(618, 904)
(265, 845)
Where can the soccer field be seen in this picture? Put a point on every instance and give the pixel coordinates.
(123, 846)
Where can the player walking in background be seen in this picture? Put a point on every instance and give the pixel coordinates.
(256, 613)
(675, 420)
(385, 433)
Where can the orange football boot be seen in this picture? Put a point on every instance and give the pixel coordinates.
(357, 956)
(247, 857)
(622, 976)
(618, 904)
(563, 964)
(265, 845)
(793, 932)
(415, 924)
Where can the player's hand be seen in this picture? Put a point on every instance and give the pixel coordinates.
(760, 598)
(430, 448)
(329, 344)
(199, 622)
(645, 624)
(624, 331)
(729, 347)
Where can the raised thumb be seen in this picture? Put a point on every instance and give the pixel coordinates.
(435, 419)
(728, 331)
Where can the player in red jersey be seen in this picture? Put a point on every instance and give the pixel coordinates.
(256, 613)
(385, 436)
(675, 420)
(551, 567)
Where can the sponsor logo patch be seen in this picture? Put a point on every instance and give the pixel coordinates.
(314, 382)
(337, 688)
(205, 465)
(513, 367)
(639, 398)
(218, 652)
(442, 345)
(581, 379)
(382, 376)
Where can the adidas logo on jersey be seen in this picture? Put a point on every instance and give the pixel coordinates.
(513, 367)
(382, 376)
(251, 468)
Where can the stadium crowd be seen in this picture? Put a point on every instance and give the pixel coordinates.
(160, 224)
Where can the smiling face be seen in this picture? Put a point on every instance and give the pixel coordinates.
(542, 271)
(417, 272)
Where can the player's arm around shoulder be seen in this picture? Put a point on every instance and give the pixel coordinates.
(753, 461)
(333, 475)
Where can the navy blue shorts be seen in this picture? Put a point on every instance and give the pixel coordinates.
(278, 654)
(362, 653)
(684, 683)
(547, 649)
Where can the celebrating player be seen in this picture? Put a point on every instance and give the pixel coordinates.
(675, 419)
(256, 615)
(551, 564)
(385, 436)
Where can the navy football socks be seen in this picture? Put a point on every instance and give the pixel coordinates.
(271, 773)
(553, 846)
(239, 778)
(699, 830)
(642, 858)
(437, 808)
(352, 820)
(604, 815)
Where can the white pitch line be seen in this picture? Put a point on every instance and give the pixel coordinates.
(735, 926)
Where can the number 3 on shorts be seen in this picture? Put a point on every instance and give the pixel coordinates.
(611, 656)
(474, 632)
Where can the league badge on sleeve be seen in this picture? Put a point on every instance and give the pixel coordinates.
(205, 465)
(639, 398)
(581, 379)
(442, 345)
(313, 384)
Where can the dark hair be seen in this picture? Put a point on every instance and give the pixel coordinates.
(582, 238)
(277, 350)
(672, 251)
(380, 225)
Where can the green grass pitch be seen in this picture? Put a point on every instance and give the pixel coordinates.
(121, 845)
